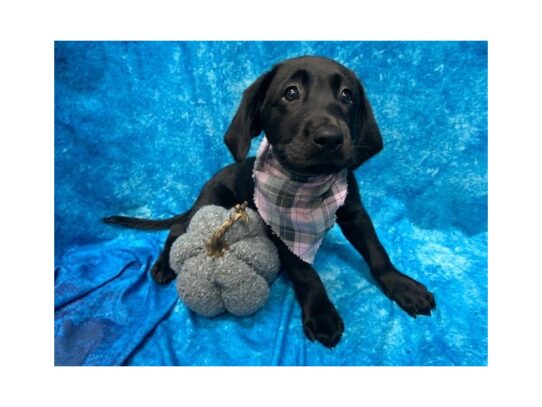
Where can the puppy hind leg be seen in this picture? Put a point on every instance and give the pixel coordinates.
(161, 272)
(211, 194)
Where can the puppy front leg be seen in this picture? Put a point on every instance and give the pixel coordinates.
(321, 321)
(412, 296)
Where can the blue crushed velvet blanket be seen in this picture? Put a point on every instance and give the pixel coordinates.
(138, 130)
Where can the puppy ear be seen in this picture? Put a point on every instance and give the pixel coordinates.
(246, 123)
(369, 141)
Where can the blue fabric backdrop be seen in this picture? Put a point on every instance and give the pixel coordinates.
(138, 130)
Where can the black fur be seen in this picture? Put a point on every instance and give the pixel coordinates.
(327, 126)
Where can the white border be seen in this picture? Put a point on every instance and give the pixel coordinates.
(28, 32)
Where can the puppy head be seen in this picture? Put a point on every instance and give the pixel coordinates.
(315, 114)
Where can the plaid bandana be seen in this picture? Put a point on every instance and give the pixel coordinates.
(298, 208)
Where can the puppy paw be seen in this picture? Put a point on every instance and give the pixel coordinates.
(322, 322)
(162, 273)
(411, 296)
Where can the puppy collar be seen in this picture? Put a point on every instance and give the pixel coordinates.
(299, 209)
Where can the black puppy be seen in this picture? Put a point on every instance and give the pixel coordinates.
(316, 116)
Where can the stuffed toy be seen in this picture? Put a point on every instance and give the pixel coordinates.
(224, 261)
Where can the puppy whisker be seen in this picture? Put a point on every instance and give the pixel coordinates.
(362, 147)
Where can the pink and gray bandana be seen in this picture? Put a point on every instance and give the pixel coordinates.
(298, 208)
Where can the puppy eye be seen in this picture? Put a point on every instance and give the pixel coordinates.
(291, 93)
(346, 96)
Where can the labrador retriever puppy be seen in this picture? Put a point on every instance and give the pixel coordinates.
(316, 116)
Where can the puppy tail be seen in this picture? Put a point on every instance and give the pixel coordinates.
(145, 224)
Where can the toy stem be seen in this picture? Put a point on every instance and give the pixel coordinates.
(216, 245)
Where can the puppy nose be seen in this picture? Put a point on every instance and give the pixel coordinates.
(328, 137)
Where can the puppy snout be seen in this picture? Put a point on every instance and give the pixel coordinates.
(328, 138)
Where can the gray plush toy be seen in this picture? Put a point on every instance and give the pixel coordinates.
(224, 262)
